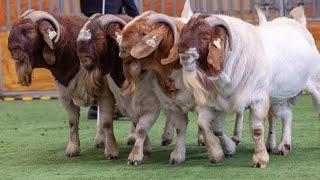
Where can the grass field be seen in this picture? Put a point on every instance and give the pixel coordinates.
(34, 135)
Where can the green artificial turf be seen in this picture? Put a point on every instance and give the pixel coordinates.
(34, 136)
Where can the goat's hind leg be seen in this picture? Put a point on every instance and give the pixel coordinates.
(144, 124)
(238, 128)
(228, 146)
(179, 153)
(285, 146)
(271, 144)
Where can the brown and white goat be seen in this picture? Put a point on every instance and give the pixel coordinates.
(41, 40)
(98, 51)
(150, 43)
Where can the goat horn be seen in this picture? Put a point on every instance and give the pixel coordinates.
(26, 13)
(217, 21)
(107, 19)
(161, 18)
(36, 16)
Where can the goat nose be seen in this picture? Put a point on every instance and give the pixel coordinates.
(123, 53)
(184, 57)
(86, 63)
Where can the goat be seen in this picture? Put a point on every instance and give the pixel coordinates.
(98, 51)
(283, 109)
(227, 67)
(150, 43)
(42, 40)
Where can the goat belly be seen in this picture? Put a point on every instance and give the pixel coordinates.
(135, 104)
(76, 91)
(182, 100)
(291, 57)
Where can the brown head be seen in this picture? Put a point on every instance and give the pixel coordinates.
(149, 43)
(98, 50)
(203, 43)
(31, 43)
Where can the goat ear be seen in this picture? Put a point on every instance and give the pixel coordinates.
(48, 55)
(149, 43)
(216, 49)
(114, 31)
(48, 32)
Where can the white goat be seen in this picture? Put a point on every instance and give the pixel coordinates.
(257, 64)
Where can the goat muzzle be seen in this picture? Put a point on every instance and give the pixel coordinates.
(123, 53)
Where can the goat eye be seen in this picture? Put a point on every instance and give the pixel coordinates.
(144, 33)
(206, 38)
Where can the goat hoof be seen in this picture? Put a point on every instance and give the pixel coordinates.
(201, 143)
(135, 157)
(99, 145)
(236, 139)
(285, 149)
(111, 154)
(166, 142)
(73, 150)
(271, 148)
(216, 160)
(260, 159)
(177, 157)
(134, 163)
(111, 157)
(99, 141)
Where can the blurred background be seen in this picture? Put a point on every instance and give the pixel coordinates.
(42, 79)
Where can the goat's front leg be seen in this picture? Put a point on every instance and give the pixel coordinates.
(238, 130)
(205, 116)
(73, 111)
(180, 123)
(144, 124)
(228, 146)
(258, 113)
(105, 126)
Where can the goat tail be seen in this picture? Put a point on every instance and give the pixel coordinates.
(298, 15)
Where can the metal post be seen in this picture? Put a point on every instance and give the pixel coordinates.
(220, 7)
(8, 14)
(18, 8)
(281, 8)
(151, 4)
(162, 6)
(230, 7)
(29, 4)
(40, 4)
(209, 6)
(241, 9)
(103, 6)
(174, 7)
(51, 6)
